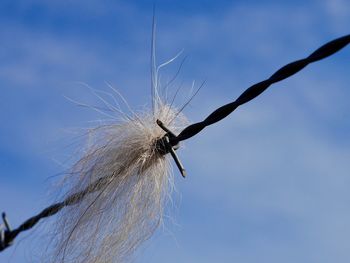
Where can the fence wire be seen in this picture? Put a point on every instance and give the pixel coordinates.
(7, 235)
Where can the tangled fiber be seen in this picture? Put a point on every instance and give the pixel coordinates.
(134, 180)
(117, 190)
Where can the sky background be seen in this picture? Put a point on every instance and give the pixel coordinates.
(270, 183)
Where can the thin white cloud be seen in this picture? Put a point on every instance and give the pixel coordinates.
(271, 160)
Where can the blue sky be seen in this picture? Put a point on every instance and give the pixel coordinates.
(267, 184)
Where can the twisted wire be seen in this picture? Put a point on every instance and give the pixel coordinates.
(7, 235)
(255, 90)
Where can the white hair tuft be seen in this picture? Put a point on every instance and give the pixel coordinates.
(133, 183)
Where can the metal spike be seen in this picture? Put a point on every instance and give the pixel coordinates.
(171, 148)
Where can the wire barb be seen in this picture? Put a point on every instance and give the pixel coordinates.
(170, 142)
(165, 145)
(5, 233)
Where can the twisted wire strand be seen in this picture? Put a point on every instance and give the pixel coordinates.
(7, 235)
(255, 90)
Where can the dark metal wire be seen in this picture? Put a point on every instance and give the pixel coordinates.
(7, 235)
(255, 90)
(163, 146)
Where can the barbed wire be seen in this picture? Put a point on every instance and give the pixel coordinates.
(255, 90)
(169, 142)
(7, 235)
